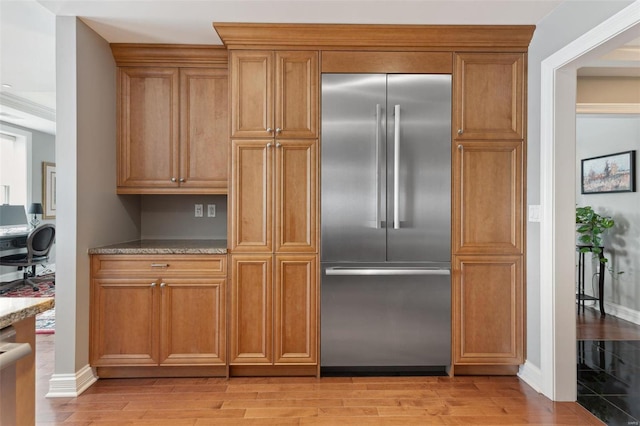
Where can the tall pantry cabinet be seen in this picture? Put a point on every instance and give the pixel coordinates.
(488, 212)
(273, 236)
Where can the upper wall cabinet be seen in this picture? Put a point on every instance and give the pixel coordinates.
(172, 121)
(489, 96)
(274, 94)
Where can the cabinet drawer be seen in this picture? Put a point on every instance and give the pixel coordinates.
(161, 265)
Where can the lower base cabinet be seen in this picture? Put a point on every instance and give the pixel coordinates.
(488, 312)
(273, 310)
(158, 311)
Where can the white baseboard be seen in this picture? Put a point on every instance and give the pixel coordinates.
(71, 385)
(621, 312)
(531, 375)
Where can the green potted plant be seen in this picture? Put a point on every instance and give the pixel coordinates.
(590, 227)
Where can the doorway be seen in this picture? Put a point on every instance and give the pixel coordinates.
(558, 118)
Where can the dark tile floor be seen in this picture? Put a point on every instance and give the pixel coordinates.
(609, 380)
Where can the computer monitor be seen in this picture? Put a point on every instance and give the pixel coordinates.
(12, 215)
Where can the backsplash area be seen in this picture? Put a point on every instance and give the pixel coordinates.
(173, 217)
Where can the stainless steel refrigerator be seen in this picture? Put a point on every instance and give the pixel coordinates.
(386, 223)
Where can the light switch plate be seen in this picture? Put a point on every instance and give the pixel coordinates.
(211, 210)
(534, 213)
(198, 212)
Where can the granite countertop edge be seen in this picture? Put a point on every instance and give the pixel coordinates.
(14, 309)
(185, 246)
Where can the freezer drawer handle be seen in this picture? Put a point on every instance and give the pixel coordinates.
(387, 271)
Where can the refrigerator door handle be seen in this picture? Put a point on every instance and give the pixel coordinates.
(338, 270)
(378, 196)
(396, 168)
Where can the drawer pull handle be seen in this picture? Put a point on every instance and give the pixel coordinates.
(159, 265)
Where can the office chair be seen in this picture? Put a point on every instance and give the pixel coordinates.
(39, 244)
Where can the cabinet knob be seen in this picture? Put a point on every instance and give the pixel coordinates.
(153, 284)
(173, 179)
(460, 131)
(278, 145)
(278, 130)
(460, 147)
(269, 145)
(163, 285)
(182, 179)
(269, 130)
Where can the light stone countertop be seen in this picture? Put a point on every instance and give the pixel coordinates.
(14, 309)
(164, 247)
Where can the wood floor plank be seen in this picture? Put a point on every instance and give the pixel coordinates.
(271, 413)
(278, 403)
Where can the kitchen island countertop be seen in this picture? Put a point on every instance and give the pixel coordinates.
(189, 246)
(14, 309)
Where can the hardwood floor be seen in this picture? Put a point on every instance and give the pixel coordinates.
(592, 326)
(301, 401)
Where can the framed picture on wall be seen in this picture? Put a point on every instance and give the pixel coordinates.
(609, 173)
(48, 190)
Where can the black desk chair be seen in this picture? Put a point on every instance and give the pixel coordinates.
(39, 244)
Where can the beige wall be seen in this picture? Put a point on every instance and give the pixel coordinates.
(608, 90)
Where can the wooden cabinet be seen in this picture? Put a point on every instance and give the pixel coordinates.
(173, 131)
(488, 197)
(274, 196)
(158, 311)
(489, 97)
(488, 300)
(488, 232)
(148, 130)
(273, 309)
(274, 94)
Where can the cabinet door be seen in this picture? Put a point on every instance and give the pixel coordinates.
(489, 95)
(251, 94)
(148, 126)
(251, 318)
(488, 196)
(204, 139)
(488, 310)
(296, 195)
(125, 319)
(296, 310)
(296, 94)
(193, 321)
(251, 223)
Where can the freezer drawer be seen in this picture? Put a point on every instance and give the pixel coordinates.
(373, 317)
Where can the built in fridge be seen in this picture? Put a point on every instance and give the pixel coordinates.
(386, 223)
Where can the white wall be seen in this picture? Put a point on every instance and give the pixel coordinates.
(598, 135)
(567, 22)
(89, 211)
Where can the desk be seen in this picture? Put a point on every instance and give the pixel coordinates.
(580, 295)
(14, 237)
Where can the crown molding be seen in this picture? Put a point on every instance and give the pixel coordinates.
(380, 37)
(607, 108)
(27, 106)
(170, 55)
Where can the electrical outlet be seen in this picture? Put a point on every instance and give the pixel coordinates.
(198, 210)
(211, 210)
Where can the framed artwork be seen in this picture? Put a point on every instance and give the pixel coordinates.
(48, 190)
(609, 173)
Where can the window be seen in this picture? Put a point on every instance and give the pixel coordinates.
(13, 169)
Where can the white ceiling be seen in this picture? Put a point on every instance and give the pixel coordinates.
(27, 31)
